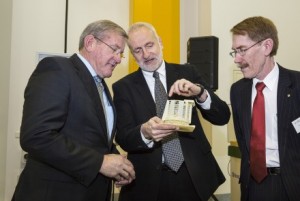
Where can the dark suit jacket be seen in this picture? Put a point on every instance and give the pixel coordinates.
(288, 109)
(64, 132)
(135, 106)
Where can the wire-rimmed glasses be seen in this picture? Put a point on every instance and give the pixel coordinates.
(116, 51)
(242, 51)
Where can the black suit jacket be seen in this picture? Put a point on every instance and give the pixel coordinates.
(64, 132)
(135, 106)
(288, 109)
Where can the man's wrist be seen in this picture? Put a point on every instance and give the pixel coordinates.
(202, 90)
(199, 97)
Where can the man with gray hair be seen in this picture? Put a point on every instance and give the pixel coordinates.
(193, 175)
(69, 123)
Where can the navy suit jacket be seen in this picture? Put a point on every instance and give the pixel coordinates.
(64, 132)
(288, 109)
(135, 106)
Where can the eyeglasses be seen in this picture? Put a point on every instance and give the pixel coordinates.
(242, 51)
(116, 51)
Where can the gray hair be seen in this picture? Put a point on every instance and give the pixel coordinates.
(139, 25)
(100, 29)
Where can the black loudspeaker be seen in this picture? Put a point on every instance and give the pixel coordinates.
(203, 52)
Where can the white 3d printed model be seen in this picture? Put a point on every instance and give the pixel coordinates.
(179, 113)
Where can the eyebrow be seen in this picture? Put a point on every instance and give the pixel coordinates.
(239, 47)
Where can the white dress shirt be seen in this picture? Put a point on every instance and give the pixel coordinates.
(270, 96)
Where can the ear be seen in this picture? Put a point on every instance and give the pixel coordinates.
(268, 45)
(160, 42)
(89, 43)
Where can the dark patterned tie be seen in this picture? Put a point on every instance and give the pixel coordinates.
(100, 88)
(258, 143)
(172, 152)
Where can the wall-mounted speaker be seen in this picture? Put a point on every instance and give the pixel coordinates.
(203, 52)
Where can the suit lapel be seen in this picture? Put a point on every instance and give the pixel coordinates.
(246, 113)
(91, 88)
(144, 92)
(171, 74)
(284, 107)
(143, 89)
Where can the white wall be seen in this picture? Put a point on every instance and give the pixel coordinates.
(189, 25)
(5, 36)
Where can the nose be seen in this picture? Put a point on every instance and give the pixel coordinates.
(237, 58)
(118, 57)
(145, 53)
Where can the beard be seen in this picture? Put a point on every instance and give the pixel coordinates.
(152, 63)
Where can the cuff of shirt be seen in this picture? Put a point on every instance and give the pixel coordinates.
(206, 104)
(149, 143)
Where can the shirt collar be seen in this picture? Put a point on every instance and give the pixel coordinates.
(271, 79)
(87, 64)
(161, 70)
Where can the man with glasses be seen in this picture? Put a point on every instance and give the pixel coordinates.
(266, 114)
(142, 133)
(69, 123)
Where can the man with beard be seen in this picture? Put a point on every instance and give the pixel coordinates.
(142, 133)
(268, 137)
